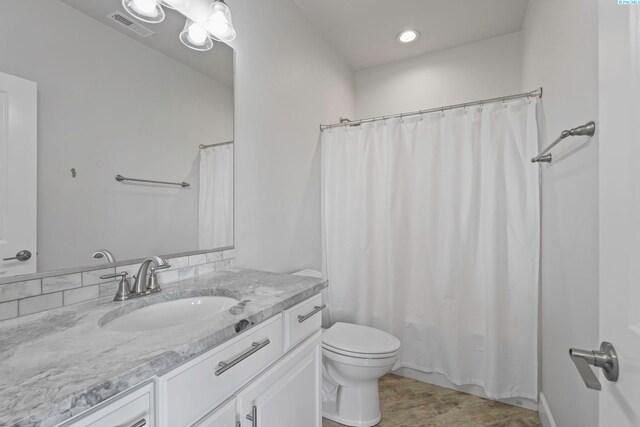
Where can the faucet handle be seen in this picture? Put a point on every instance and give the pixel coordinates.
(123, 293)
(152, 284)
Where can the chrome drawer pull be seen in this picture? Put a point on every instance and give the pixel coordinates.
(141, 423)
(225, 366)
(316, 309)
(253, 416)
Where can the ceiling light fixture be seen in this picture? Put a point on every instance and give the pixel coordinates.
(408, 36)
(219, 23)
(195, 37)
(144, 10)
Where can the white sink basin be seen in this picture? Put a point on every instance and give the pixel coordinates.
(171, 313)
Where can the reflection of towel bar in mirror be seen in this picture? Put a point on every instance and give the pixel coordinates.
(203, 146)
(587, 129)
(121, 178)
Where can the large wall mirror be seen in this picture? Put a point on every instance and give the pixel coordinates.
(88, 93)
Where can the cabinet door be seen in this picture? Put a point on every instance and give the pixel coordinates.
(223, 416)
(287, 395)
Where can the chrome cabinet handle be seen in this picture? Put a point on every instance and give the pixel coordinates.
(255, 347)
(253, 416)
(141, 423)
(316, 309)
(606, 358)
(20, 256)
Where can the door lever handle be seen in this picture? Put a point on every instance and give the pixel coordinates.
(606, 358)
(579, 358)
(23, 255)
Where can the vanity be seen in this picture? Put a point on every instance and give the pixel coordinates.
(254, 363)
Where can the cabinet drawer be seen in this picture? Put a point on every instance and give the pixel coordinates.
(190, 391)
(133, 409)
(302, 320)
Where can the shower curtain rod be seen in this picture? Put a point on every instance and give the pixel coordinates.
(533, 94)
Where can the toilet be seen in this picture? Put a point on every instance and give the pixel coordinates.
(354, 357)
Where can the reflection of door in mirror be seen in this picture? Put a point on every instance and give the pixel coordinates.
(18, 142)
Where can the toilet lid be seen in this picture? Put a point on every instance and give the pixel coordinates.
(360, 339)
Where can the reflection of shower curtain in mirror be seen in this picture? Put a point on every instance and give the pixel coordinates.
(215, 212)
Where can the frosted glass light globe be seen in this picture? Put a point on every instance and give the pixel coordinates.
(195, 37)
(218, 24)
(144, 10)
(197, 34)
(176, 4)
(145, 7)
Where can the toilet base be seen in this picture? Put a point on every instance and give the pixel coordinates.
(356, 407)
(334, 417)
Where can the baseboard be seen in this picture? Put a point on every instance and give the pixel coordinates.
(545, 414)
(442, 381)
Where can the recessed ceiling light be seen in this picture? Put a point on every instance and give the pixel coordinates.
(408, 36)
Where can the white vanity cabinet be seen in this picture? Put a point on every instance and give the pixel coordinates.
(272, 372)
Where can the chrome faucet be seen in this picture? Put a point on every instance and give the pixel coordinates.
(142, 285)
(103, 253)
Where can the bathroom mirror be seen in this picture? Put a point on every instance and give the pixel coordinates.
(88, 93)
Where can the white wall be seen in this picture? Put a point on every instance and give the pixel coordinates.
(560, 53)
(288, 81)
(107, 105)
(481, 70)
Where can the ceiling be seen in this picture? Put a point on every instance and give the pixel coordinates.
(364, 32)
(216, 63)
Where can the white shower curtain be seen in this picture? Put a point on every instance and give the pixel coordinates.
(431, 233)
(215, 210)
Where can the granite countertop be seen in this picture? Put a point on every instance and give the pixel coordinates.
(57, 364)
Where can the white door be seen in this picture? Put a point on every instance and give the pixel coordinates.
(288, 395)
(18, 174)
(619, 149)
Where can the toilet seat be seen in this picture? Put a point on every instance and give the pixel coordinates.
(361, 342)
(357, 359)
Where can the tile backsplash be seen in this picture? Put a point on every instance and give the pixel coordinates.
(32, 296)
